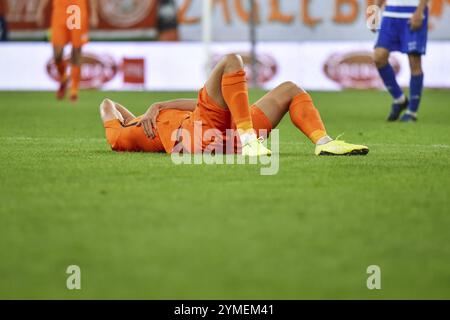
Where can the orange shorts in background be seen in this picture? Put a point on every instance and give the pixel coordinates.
(130, 138)
(61, 34)
(212, 116)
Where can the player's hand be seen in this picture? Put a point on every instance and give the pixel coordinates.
(416, 21)
(148, 121)
(94, 21)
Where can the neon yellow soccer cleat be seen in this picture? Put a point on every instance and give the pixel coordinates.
(255, 148)
(341, 148)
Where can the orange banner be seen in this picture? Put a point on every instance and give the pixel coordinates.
(113, 15)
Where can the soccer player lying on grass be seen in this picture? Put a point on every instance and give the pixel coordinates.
(222, 104)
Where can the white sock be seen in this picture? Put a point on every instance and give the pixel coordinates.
(400, 100)
(411, 113)
(324, 140)
(247, 137)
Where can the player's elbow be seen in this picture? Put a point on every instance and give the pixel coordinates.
(105, 105)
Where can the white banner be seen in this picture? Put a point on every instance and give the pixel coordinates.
(295, 20)
(182, 66)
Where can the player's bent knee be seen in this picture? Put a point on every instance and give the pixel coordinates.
(380, 59)
(234, 61)
(415, 71)
(292, 88)
(290, 85)
(415, 64)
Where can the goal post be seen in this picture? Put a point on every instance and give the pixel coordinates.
(207, 32)
(253, 40)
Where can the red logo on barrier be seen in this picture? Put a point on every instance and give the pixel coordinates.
(133, 71)
(356, 70)
(95, 72)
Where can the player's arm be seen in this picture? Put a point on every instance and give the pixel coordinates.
(148, 121)
(126, 114)
(40, 12)
(179, 104)
(93, 17)
(418, 17)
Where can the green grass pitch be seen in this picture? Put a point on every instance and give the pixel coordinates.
(140, 227)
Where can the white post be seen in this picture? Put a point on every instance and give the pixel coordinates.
(253, 40)
(207, 32)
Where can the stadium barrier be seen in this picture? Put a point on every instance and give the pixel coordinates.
(181, 66)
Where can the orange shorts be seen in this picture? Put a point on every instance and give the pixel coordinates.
(130, 138)
(64, 28)
(211, 118)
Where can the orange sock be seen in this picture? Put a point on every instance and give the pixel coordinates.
(61, 67)
(235, 94)
(75, 75)
(306, 117)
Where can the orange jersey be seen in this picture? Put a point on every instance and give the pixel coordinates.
(132, 138)
(70, 22)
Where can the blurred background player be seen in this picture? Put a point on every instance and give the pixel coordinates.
(404, 28)
(167, 21)
(3, 24)
(69, 24)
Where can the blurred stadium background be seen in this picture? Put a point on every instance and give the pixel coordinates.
(321, 45)
(140, 227)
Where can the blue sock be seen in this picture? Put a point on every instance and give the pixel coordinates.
(415, 92)
(388, 75)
